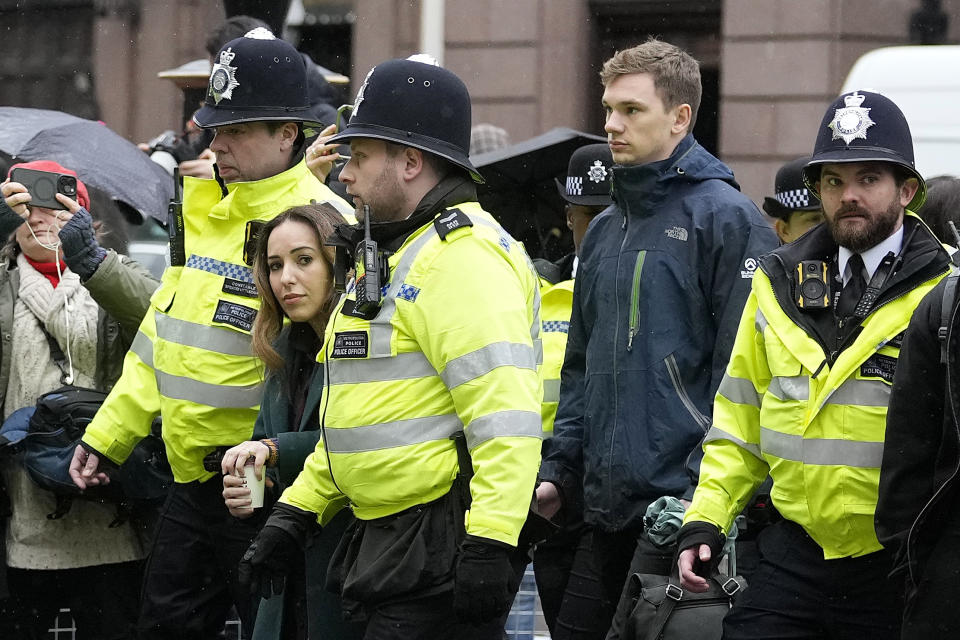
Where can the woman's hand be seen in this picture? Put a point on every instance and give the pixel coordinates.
(236, 497)
(234, 466)
(17, 198)
(236, 458)
(321, 156)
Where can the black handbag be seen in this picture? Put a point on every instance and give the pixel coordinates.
(662, 610)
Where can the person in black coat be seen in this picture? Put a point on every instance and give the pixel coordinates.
(918, 512)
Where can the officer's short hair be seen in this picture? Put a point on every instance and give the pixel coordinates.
(676, 74)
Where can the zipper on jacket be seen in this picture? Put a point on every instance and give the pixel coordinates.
(635, 300)
(616, 341)
(681, 391)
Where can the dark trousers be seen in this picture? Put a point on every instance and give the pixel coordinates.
(102, 600)
(796, 594)
(191, 576)
(577, 614)
(930, 611)
(401, 570)
(428, 618)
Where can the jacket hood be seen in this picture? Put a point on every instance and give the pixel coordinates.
(648, 184)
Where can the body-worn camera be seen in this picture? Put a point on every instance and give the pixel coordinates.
(44, 186)
(813, 289)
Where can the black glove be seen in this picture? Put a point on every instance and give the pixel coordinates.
(482, 582)
(278, 547)
(81, 251)
(695, 533)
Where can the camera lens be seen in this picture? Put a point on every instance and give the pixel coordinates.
(813, 289)
(67, 185)
(812, 268)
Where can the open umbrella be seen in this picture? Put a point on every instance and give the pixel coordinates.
(100, 157)
(520, 191)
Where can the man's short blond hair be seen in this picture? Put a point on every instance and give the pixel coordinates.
(676, 74)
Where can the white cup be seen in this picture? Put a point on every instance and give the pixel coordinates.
(256, 486)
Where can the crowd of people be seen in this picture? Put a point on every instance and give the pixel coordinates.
(431, 410)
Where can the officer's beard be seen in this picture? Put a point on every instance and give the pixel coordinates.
(860, 238)
(386, 198)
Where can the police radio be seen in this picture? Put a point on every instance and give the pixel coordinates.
(813, 288)
(178, 254)
(372, 270)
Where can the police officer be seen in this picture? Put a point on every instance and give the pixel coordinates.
(452, 344)
(566, 555)
(191, 361)
(805, 394)
(795, 209)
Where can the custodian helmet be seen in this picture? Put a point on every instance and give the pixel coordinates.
(414, 104)
(254, 78)
(863, 126)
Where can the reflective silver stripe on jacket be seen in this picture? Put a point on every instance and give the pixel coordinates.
(739, 390)
(403, 366)
(865, 393)
(202, 336)
(821, 451)
(471, 366)
(790, 387)
(143, 347)
(719, 434)
(759, 322)
(504, 423)
(551, 390)
(381, 330)
(386, 435)
(211, 395)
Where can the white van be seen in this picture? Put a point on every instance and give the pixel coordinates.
(924, 81)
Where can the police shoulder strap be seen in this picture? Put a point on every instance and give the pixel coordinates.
(946, 307)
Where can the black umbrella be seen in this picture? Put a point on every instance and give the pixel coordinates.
(520, 191)
(100, 157)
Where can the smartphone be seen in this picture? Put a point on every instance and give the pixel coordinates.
(43, 186)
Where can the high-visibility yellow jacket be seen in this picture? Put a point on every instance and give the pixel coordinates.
(191, 360)
(555, 308)
(455, 345)
(815, 422)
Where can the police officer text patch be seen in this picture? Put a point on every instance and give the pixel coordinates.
(350, 344)
(879, 366)
(450, 220)
(234, 315)
(239, 288)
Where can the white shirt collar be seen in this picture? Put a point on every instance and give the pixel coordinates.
(872, 256)
(576, 263)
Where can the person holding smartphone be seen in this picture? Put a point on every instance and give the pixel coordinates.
(57, 282)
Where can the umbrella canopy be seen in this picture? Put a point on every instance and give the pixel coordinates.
(100, 157)
(520, 191)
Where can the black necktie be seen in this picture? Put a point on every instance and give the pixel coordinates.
(853, 290)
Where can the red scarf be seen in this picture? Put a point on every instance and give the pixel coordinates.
(48, 270)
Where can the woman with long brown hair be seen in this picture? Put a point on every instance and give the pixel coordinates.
(293, 271)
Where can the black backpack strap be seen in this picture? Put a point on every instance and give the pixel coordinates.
(56, 354)
(946, 307)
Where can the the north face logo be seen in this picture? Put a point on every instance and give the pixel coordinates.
(677, 233)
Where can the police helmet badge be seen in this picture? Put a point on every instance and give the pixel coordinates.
(597, 172)
(223, 78)
(852, 121)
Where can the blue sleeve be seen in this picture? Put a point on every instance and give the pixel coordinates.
(741, 236)
(736, 250)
